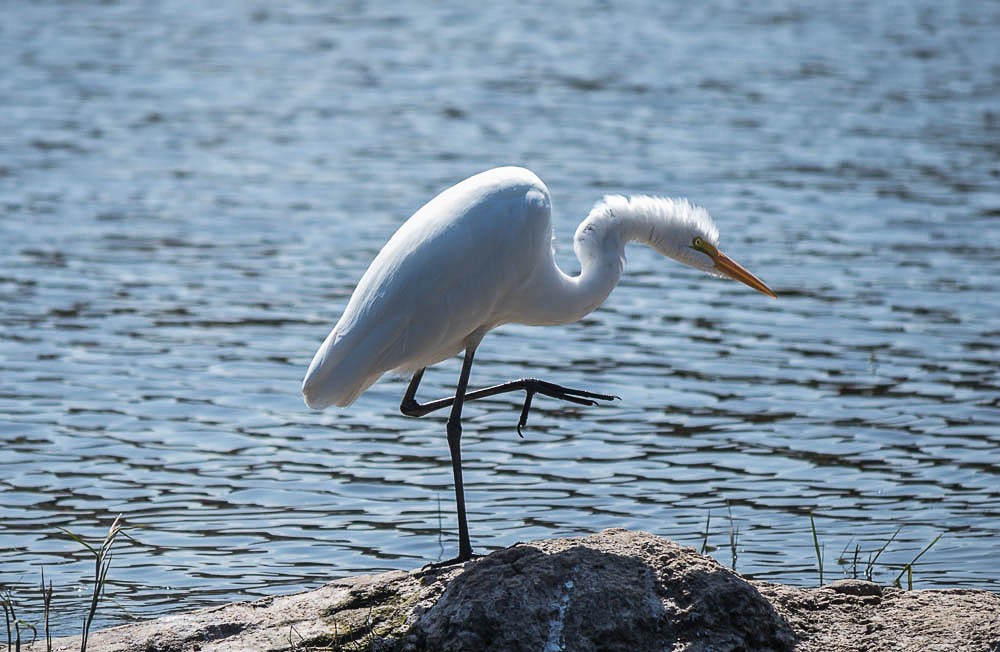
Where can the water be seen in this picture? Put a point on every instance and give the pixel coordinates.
(189, 194)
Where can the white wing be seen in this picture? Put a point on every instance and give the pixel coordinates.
(454, 269)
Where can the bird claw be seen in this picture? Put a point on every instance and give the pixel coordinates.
(523, 421)
(448, 562)
(578, 396)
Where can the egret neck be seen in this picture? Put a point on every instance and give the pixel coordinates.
(667, 225)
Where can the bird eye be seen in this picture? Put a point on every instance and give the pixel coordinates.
(698, 244)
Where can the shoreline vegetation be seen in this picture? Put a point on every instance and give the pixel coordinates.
(614, 590)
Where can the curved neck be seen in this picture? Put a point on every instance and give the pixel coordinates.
(555, 297)
(599, 244)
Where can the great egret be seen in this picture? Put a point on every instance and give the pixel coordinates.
(479, 255)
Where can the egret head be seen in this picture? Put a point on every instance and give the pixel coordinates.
(678, 229)
(723, 265)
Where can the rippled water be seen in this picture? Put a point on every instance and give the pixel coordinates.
(190, 191)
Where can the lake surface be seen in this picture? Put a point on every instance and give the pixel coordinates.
(190, 191)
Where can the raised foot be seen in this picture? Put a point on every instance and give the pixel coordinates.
(534, 386)
(530, 386)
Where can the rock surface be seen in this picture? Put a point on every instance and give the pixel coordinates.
(616, 590)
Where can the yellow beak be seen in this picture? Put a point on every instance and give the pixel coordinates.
(729, 267)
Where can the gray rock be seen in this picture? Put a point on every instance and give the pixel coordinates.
(616, 590)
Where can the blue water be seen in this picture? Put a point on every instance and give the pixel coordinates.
(189, 192)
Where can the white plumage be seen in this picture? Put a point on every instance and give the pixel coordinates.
(455, 268)
(479, 255)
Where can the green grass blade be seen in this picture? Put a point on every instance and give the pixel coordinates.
(908, 568)
(819, 555)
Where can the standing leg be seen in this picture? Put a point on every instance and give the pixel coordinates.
(455, 445)
(530, 386)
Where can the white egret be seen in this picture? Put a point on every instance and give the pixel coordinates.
(479, 255)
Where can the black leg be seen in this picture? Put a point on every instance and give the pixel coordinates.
(455, 445)
(530, 386)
